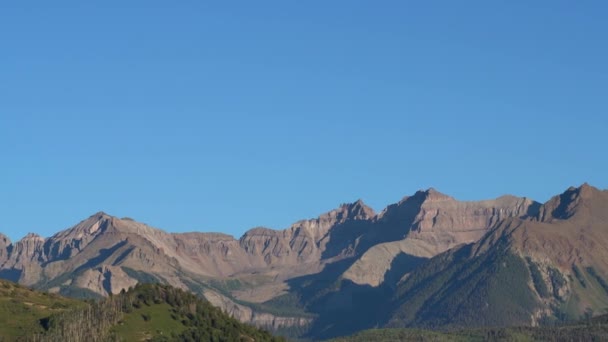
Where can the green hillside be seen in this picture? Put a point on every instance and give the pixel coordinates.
(145, 313)
(589, 330)
(21, 309)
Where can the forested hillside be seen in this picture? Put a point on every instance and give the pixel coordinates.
(147, 312)
(595, 329)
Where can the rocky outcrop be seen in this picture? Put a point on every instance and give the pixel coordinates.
(5, 242)
(29, 249)
(248, 315)
(24, 258)
(104, 280)
(68, 243)
(306, 240)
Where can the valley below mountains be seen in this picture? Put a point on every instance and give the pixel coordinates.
(428, 261)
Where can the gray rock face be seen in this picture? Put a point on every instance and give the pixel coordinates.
(23, 259)
(248, 315)
(305, 241)
(68, 243)
(5, 242)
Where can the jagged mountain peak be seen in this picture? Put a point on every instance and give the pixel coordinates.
(570, 211)
(583, 189)
(316, 228)
(101, 214)
(102, 222)
(587, 190)
(570, 202)
(421, 196)
(358, 210)
(433, 195)
(91, 226)
(569, 229)
(32, 236)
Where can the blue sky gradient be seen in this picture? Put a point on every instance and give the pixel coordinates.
(221, 116)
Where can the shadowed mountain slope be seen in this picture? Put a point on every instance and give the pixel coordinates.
(547, 267)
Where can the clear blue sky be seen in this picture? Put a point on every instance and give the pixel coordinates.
(224, 115)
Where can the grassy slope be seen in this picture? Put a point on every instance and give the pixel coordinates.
(147, 322)
(21, 309)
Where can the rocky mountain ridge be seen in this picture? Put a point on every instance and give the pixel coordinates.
(287, 278)
(544, 268)
(303, 248)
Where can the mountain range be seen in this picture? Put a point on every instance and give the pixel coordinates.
(428, 261)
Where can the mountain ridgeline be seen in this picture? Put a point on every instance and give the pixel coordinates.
(428, 261)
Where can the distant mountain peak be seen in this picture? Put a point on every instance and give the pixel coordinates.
(358, 210)
(93, 225)
(428, 195)
(567, 204)
(586, 190)
(585, 187)
(359, 202)
(32, 236)
(4, 240)
(100, 215)
(434, 195)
